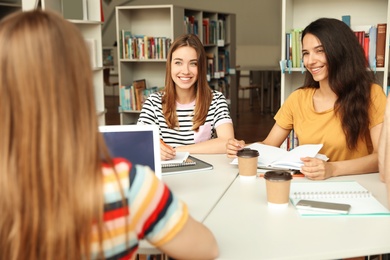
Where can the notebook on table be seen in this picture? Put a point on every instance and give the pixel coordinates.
(140, 144)
(192, 164)
(362, 202)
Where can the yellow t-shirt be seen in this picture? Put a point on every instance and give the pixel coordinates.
(313, 127)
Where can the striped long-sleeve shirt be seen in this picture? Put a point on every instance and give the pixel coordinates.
(153, 212)
(217, 115)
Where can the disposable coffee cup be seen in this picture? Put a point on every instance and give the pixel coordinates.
(247, 163)
(278, 188)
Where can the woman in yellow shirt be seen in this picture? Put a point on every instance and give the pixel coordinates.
(339, 105)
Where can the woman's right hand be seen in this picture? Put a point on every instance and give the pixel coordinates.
(167, 152)
(233, 146)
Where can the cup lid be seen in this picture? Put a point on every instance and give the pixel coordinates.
(247, 153)
(279, 175)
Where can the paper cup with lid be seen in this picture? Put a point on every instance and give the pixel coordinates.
(278, 188)
(247, 163)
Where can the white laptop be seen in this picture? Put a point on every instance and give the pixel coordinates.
(140, 144)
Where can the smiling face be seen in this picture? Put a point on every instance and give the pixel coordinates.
(314, 57)
(184, 67)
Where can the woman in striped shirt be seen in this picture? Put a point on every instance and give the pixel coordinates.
(191, 116)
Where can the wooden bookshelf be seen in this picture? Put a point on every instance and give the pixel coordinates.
(90, 27)
(297, 14)
(169, 21)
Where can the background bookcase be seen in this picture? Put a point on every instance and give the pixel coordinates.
(169, 21)
(90, 27)
(297, 14)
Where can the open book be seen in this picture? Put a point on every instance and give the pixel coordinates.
(362, 202)
(278, 158)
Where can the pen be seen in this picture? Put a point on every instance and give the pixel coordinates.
(164, 144)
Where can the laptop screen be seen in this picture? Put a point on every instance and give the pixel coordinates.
(140, 144)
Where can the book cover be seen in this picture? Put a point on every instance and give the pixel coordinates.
(139, 87)
(372, 46)
(380, 45)
(362, 202)
(275, 157)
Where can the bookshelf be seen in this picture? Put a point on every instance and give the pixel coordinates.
(297, 14)
(89, 22)
(9, 6)
(171, 21)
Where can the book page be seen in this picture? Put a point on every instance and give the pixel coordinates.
(292, 159)
(271, 156)
(267, 154)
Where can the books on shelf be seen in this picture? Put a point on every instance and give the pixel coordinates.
(372, 34)
(362, 202)
(381, 45)
(278, 158)
(141, 47)
(371, 37)
(133, 96)
(293, 50)
(210, 65)
(139, 88)
(191, 25)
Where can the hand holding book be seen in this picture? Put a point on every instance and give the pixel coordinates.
(275, 157)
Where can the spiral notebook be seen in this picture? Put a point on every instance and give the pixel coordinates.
(362, 202)
(192, 164)
(186, 162)
(179, 160)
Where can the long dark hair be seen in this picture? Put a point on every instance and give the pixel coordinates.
(349, 76)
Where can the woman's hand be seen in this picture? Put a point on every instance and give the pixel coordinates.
(316, 169)
(233, 146)
(167, 152)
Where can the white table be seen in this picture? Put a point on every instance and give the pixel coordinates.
(201, 190)
(246, 228)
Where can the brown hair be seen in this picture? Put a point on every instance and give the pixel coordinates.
(50, 147)
(202, 90)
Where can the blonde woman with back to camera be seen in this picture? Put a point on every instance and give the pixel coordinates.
(61, 195)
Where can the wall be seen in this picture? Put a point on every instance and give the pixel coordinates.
(258, 25)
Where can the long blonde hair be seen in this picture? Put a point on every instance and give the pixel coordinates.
(202, 89)
(50, 147)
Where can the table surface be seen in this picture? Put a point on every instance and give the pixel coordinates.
(236, 211)
(201, 190)
(246, 228)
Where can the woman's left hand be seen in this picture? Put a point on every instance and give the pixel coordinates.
(316, 169)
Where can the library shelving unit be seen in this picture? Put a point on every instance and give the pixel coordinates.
(297, 14)
(171, 21)
(9, 6)
(90, 24)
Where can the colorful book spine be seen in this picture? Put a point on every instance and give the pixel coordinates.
(381, 45)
